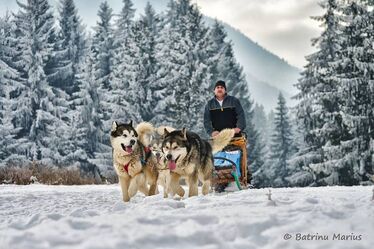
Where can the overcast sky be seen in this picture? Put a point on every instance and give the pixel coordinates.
(282, 26)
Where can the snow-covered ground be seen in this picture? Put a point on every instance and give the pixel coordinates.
(39, 216)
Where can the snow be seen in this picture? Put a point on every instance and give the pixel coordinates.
(94, 216)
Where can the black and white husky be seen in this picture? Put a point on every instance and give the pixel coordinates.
(155, 142)
(191, 157)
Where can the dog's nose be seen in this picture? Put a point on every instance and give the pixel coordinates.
(158, 154)
(169, 156)
(132, 141)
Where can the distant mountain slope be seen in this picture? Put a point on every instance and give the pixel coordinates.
(266, 73)
(265, 94)
(261, 63)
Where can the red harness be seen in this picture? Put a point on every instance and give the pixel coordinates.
(126, 167)
(147, 149)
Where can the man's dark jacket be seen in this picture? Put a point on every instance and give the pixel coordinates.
(230, 115)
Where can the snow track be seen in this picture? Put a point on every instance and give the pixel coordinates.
(39, 216)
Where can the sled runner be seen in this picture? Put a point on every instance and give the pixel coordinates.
(230, 164)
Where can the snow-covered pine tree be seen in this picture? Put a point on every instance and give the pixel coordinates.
(9, 80)
(270, 117)
(122, 34)
(297, 176)
(68, 56)
(55, 68)
(88, 132)
(147, 31)
(141, 65)
(102, 49)
(71, 43)
(123, 54)
(297, 132)
(254, 146)
(124, 23)
(16, 112)
(222, 63)
(183, 77)
(135, 93)
(281, 147)
(103, 52)
(371, 16)
(347, 152)
(318, 106)
(260, 120)
(260, 124)
(174, 75)
(356, 81)
(22, 114)
(39, 109)
(87, 117)
(275, 170)
(168, 54)
(198, 56)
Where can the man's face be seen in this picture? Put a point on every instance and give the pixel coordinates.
(219, 91)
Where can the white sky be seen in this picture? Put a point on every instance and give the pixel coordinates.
(282, 26)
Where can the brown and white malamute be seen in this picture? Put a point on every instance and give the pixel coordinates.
(132, 161)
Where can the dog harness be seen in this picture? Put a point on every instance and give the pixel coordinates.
(143, 160)
(126, 167)
(147, 151)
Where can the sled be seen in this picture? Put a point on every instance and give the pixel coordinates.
(230, 164)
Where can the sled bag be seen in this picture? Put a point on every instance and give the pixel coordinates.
(234, 156)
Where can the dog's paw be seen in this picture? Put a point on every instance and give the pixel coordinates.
(180, 192)
(126, 198)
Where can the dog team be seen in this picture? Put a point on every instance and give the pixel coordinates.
(145, 156)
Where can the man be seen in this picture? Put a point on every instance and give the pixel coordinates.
(225, 111)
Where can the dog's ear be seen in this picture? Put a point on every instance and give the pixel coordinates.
(166, 132)
(114, 126)
(184, 133)
(130, 124)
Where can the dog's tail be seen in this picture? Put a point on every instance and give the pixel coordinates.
(222, 140)
(161, 130)
(145, 131)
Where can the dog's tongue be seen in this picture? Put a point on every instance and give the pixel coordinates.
(172, 165)
(128, 149)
